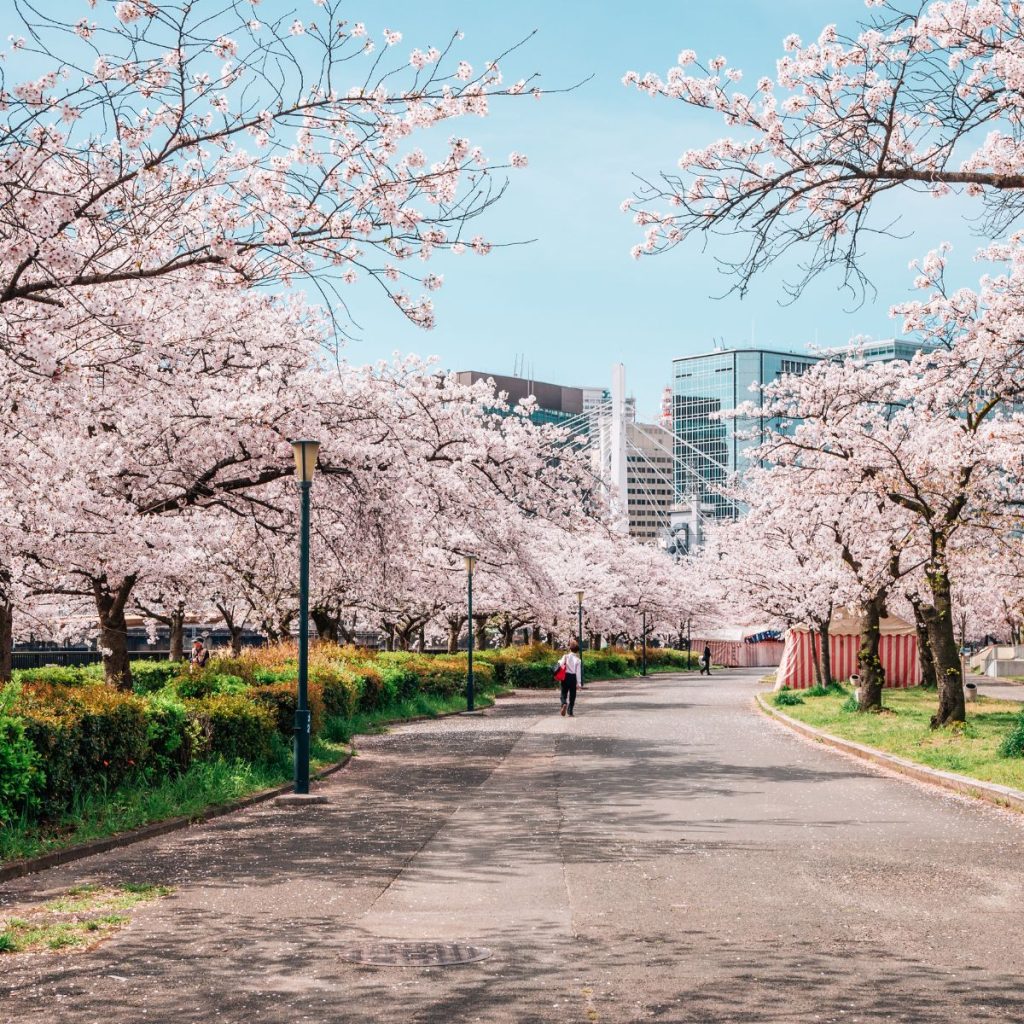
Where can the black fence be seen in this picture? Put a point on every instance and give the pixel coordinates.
(64, 657)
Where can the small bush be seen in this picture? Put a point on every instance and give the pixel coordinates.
(87, 738)
(280, 701)
(56, 675)
(1013, 742)
(172, 745)
(20, 775)
(208, 684)
(787, 698)
(832, 690)
(234, 727)
(530, 675)
(850, 704)
(150, 676)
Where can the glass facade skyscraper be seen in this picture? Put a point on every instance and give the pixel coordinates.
(708, 450)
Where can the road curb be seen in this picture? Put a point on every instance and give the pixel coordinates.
(32, 865)
(990, 792)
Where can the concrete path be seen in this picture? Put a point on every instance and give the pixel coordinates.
(1001, 691)
(667, 855)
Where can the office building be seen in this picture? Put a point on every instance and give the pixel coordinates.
(709, 450)
(885, 350)
(650, 484)
(555, 403)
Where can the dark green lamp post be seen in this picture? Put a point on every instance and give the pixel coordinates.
(470, 562)
(305, 464)
(579, 628)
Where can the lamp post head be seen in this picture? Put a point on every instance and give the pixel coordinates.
(579, 597)
(470, 562)
(305, 460)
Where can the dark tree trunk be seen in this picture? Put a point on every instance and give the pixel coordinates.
(421, 640)
(6, 639)
(924, 644)
(508, 632)
(815, 656)
(535, 634)
(110, 606)
(944, 650)
(481, 631)
(872, 675)
(826, 650)
(176, 628)
(389, 636)
(234, 628)
(327, 624)
(454, 632)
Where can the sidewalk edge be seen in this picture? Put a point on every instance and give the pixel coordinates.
(990, 792)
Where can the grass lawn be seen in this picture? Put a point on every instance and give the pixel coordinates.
(81, 918)
(903, 729)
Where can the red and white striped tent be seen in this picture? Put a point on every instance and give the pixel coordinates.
(897, 650)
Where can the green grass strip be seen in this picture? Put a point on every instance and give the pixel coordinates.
(972, 749)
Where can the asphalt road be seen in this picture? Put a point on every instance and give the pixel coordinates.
(667, 855)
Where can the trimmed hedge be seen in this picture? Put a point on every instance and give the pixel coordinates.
(64, 734)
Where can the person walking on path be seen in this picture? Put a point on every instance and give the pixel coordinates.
(705, 661)
(570, 661)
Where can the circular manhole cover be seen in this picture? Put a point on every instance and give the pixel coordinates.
(413, 954)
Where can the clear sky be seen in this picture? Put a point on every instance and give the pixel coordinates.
(572, 302)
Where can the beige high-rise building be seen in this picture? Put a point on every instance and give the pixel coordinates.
(649, 480)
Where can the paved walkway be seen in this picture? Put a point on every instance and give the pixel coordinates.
(1001, 691)
(667, 855)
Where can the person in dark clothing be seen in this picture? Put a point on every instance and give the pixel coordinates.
(571, 663)
(705, 661)
(200, 656)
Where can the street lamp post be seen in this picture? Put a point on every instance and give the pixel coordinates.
(305, 464)
(579, 628)
(643, 646)
(470, 561)
(689, 650)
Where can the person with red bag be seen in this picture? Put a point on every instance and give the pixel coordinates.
(567, 672)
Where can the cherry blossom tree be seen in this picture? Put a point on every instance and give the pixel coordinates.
(925, 96)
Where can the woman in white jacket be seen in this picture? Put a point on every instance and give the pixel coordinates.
(570, 661)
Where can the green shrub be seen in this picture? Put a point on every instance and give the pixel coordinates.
(208, 684)
(56, 675)
(401, 681)
(786, 698)
(280, 701)
(172, 742)
(601, 664)
(20, 774)
(87, 738)
(1013, 742)
(530, 675)
(233, 727)
(832, 690)
(371, 690)
(150, 676)
(341, 691)
(227, 665)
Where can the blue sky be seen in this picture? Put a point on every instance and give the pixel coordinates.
(573, 302)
